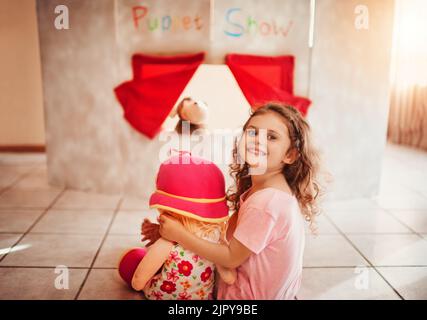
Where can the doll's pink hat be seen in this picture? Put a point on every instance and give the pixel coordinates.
(191, 186)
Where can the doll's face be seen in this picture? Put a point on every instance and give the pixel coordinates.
(187, 106)
(193, 111)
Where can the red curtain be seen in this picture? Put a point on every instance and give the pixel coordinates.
(264, 79)
(157, 84)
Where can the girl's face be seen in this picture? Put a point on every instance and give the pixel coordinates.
(265, 143)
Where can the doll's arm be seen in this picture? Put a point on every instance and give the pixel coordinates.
(150, 232)
(227, 275)
(152, 261)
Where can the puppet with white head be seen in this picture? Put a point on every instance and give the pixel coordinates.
(193, 111)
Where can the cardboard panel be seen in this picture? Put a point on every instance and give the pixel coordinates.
(350, 90)
(264, 28)
(161, 28)
(79, 71)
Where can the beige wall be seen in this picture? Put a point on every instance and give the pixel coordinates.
(21, 107)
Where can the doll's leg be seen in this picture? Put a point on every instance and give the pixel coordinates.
(129, 262)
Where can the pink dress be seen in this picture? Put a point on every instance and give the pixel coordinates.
(271, 225)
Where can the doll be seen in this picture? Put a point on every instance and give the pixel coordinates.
(190, 132)
(192, 189)
(192, 111)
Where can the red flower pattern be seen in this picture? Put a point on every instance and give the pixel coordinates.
(173, 257)
(173, 275)
(185, 267)
(158, 295)
(184, 296)
(168, 287)
(206, 274)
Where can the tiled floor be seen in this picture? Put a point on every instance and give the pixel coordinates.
(64, 244)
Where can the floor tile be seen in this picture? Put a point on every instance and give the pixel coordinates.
(18, 220)
(74, 221)
(409, 168)
(71, 199)
(392, 187)
(404, 201)
(7, 240)
(113, 249)
(410, 282)
(344, 283)
(11, 174)
(129, 222)
(39, 283)
(392, 250)
(350, 204)
(53, 250)
(106, 284)
(367, 221)
(71, 233)
(322, 226)
(27, 198)
(408, 180)
(134, 203)
(322, 251)
(36, 180)
(415, 219)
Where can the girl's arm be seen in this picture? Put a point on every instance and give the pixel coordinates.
(231, 226)
(152, 261)
(230, 256)
(227, 275)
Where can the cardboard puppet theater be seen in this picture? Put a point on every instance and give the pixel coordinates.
(114, 70)
(158, 78)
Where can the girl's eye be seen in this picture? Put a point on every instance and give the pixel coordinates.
(271, 137)
(251, 132)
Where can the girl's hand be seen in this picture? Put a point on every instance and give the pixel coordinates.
(150, 231)
(170, 228)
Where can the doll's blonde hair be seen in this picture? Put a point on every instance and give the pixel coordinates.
(213, 231)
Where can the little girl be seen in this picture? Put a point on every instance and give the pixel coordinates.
(275, 190)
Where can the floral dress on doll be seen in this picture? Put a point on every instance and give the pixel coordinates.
(184, 276)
